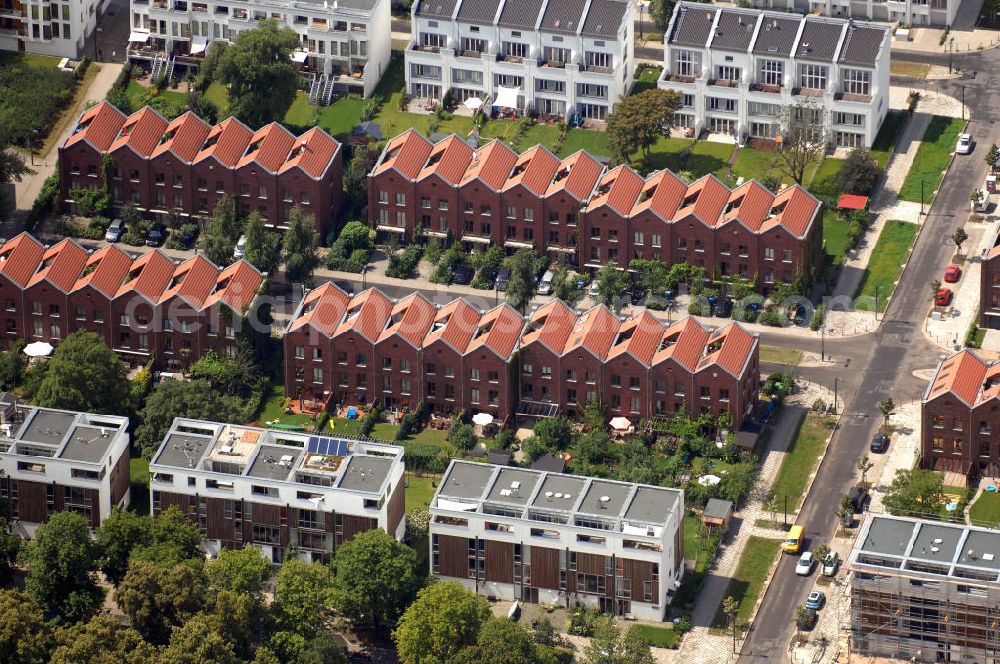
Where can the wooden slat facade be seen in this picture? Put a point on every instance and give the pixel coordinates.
(545, 567)
(638, 572)
(397, 508)
(120, 480)
(453, 556)
(500, 562)
(352, 525)
(32, 501)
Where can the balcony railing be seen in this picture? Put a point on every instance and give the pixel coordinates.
(849, 96)
(426, 48)
(598, 69)
(807, 92)
(513, 59)
(723, 82)
(677, 78)
(765, 87)
(471, 54)
(553, 64)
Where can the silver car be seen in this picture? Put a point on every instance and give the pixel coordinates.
(804, 566)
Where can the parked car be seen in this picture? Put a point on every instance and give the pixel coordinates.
(156, 236)
(943, 297)
(952, 273)
(592, 291)
(831, 563)
(816, 600)
(115, 231)
(724, 308)
(637, 295)
(240, 250)
(982, 203)
(858, 495)
(804, 566)
(879, 444)
(462, 274)
(545, 284)
(503, 278)
(964, 145)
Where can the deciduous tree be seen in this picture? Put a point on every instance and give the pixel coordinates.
(299, 246)
(859, 173)
(914, 492)
(304, 598)
(156, 599)
(84, 375)
(661, 11)
(198, 641)
(25, 636)
(444, 619)
(241, 571)
(261, 248)
(500, 641)
(610, 646)
(102, 640)
(376, 579)
(121, 533)
(174, 398)
(521, 285)
(222, 230)
(261, 77)
(803, 140)
(638, 121)
(959, 237)
(612, 284)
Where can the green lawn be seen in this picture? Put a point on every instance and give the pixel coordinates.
(547, 135)
(645, 78)
(747, 582)
(218, 95)
(664, 154)
(658, 637)
(885, 264)
(341, 117)
(594, 142)
(780, 355)
(753, 164)
(709, 157)
(986, 510)
(932, 158)
(801, 459)
(40, 61)
(137, 93)
(419, 492)
(505, 130)
(835, 241)
(301, 113)
(271, 410)
(138, 470)
(888, 134)
(827, 170)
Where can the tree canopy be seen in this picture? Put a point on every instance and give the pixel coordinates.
(261, 248)
(638, 121)
(803, 140)
(859, 173)
(259, 72)
(222, 230)
(500, 641)
(83, 374)
(612, 284)
(610, 646)
(521, 285)
(198, 641)
(175, 398)
(102, 640)
(156, 599)
(303, 597)
(661, 11)
(444, 619)
(241, 571)
(25, 636)
(914, 492)
(299, 245)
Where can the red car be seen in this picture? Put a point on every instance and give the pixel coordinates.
(943, 297)
(952, 274)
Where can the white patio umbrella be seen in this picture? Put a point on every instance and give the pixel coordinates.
(620, 423)
(474, 103)
(482, 419)
(38, 349)
(709, 480)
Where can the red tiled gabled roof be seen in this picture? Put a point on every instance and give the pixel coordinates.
(706, 199)
(499, 329)
(683, 342)
(183, 136)
(448, 159)
(322, 308)
(454, 324)
(730, 348)
(550, 325)
(60, 265)
(268, 147)
(19, 257)
(141, 132)
(192, 281)
(578, 174)
(619, 189)
(639, 337)
(534, 169)
(313, 152)
(595, 330)
(148, 275)
(662, 193)
(410, 319)
(407, 153)
(226, 141)
(104, 270)
(794, 209)
(98, 126)
(749, 205)
(366, 314)
(963, 375)
(236, 286)
(491, 164)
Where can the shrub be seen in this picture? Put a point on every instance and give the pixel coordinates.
(818, 317)
(772, 317)
(404, 265)
(45, 203)
(695, 309)
(369, 421)
(407, 426)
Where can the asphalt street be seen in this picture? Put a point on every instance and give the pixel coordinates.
(883, 362)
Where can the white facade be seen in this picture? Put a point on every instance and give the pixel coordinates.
(839, 68)
(60, 29)
(909, 13)
(254, 466)
(348, 41)
(640, 523)
(63, 450)
(556, 73)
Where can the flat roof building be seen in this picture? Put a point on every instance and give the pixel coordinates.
(58, 460)
(537, 536)
(925, 591)
(277, 490)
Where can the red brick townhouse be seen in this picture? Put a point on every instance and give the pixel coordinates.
(573, 208)
(960, 415)
(367, 348)
(185, 165)
(144, 306)
(989, 288)
(639, 368)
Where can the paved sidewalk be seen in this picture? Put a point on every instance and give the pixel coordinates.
(927, 40)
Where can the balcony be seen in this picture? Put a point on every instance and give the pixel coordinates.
(764, 87)
(470, 54)
(595, 69)
(723, 82)
(426, 48)
(512, 59)
(677, 78)
(807, 92)
(847, 96)
(553, 64)
(8, 12)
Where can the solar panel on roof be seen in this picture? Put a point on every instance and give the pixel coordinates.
(312, 445)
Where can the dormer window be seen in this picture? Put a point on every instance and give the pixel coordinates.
(669, 341)
(734, 205)
(690, 200)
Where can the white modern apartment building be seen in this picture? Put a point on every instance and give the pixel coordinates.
(347, 43)
(907, 12)
(59, 29)
(56, 460)
(737, 69)
(278, 490)
(535, 536)
(565, 58)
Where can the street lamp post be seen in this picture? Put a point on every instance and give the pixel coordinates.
(963, 102)
(876, 301)
(835, 379)
(642, 11)
(822, 343)
(786, 511)
(922, 183)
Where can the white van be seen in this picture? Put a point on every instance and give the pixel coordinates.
(983, 204)
(545, 285)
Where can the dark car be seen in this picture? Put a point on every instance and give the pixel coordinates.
(503, 278)
(637, 295)
(723, 308)
(858, 496)
(115, 231)
(879, 444)
(156, 236)
(462, 275)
